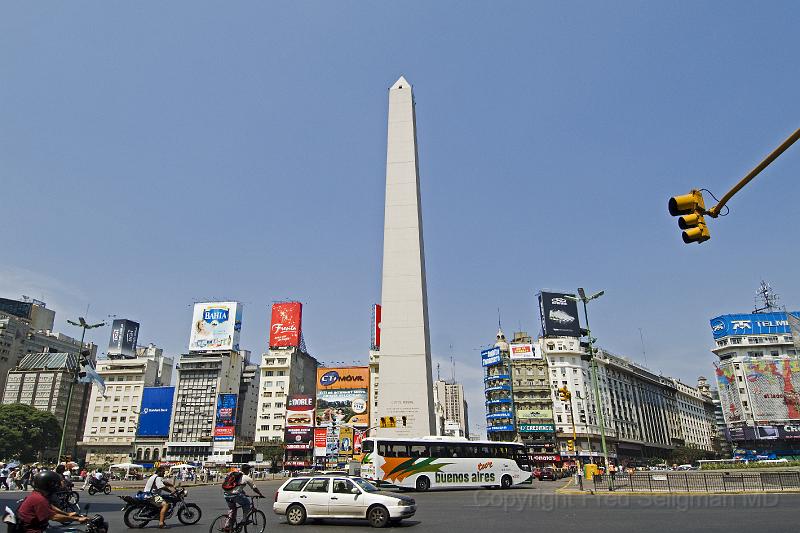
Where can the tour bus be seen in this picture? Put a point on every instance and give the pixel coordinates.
(444, 462)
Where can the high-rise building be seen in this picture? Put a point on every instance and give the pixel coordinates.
(496, 362)
(46, 381)
(452, 414)
(758, 375)
(113, 417)
(405, 355)
(25, 327)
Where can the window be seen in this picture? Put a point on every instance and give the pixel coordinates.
(317, 485)
(295, 485)
(343, 486)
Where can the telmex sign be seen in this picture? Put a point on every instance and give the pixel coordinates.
(751, 324)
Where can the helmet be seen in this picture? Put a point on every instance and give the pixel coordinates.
(46, 481)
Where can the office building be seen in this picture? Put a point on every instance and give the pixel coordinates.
(452, 419)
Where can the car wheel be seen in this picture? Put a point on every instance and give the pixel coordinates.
(296, 515)
(378, 516)
(423, 483)
(505, 482)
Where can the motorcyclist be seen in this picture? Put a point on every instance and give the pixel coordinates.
(158, 488)
(36, 510)
(237, 496)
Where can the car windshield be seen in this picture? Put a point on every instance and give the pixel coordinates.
(366, 486)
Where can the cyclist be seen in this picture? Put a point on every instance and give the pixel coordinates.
(234, 487)
(158, 487)
(36, 510)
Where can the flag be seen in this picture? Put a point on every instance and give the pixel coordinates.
(88, 374)
(794, 327)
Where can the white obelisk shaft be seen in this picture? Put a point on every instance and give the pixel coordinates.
(405, 385)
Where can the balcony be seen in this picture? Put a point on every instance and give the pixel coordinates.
(499, 415)
(495, 388)
(497, 376)
(499, 401)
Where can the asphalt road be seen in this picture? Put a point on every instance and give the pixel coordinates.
(536, 507)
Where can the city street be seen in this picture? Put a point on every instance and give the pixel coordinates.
(529, 508)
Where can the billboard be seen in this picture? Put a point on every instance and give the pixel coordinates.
(225, 425)
(345, 440)
(537, 428)
(375, 332)
(298, 438)
(124, 334)
(751, 324)
(300, 410)
(524, 351)
(215, 326)
(559, 315)
(342, 396)
(535, 413)
(320, 441)
(729, 399)
(774, 387)
(490, 356)
(155, 412)
(285, 324)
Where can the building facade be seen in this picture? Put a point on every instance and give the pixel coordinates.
(496, 362)
(451, 409)
(46, 381)
(533, 403)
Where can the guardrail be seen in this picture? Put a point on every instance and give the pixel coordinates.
(658, 481)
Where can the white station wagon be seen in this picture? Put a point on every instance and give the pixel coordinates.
(340, 497)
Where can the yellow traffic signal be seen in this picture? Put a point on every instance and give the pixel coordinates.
(571, 445)
(691, 208)
(392, 422)
(564, 394)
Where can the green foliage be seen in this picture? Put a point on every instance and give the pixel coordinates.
(683, 455)
(741, 465)
(26, 431)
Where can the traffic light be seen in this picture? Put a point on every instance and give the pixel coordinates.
(564, 394)
(404, 421)
(571, 445)
(383, 422)
(392, 423)
(389, 422)
(691, 208)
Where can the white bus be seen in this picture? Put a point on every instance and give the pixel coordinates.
(444, 462)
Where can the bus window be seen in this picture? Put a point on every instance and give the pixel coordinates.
(453, 451)
(418, 450)
(368, 446)
(485, 451)
(438, 451)
(398, 449)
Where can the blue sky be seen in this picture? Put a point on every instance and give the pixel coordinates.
(154, 154)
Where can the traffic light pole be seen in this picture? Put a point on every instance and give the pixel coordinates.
(596, 388)
(73, 379)
(574, 433)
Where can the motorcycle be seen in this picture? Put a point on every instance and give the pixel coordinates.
(139, 511)
(99, 485)
(95, 524)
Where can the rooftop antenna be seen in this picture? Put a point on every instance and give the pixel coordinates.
(766, 299)
(644, 354)
(438, 372)
(498, 319)
(453, 369)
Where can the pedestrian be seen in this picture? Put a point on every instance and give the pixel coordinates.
(26, 477)
(12, 477)
(4, 477)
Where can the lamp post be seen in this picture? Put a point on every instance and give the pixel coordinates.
(74, 377)
(586, 299)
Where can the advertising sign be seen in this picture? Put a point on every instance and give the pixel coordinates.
(559, 315)
(332, 442)
(345, 440)
(298, 438)
(320, 441)
(490, 356)
(124, 334)
(225, 425)
(284, 329)
(729, 399)
(155, 412)
(774, 387)
(537, 428)
(546, 457)
(504, 427)
(300, 410)
(790, 431)
(535, 413)
(215, 326)
(342, 396)
(524, 351)
(375, 334)
(751, 324)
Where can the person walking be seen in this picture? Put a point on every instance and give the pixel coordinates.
(26, 477)
(4, 477)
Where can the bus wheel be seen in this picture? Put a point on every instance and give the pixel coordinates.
(423, 483)
(505, 482)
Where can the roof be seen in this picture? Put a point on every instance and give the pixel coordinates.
(49, 361)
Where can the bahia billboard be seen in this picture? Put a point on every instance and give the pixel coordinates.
(124, 334)
(155, 412)
(216, 326)
(285, 324)
(559, 315)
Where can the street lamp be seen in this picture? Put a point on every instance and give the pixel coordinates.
(84, 325)
(586, 299)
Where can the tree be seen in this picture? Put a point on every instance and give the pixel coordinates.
(273, 452)
(684, 455)
(26, 431)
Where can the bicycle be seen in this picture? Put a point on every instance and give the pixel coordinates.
(254, 521)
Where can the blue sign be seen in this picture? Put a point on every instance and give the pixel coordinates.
(504, 427)
(490, 356)
(215, 315)
(499, 415)
(225, 425)
(751, 324)
(329, 378)
(155, 412)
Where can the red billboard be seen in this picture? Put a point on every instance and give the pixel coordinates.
(375, 334)
(285, 325)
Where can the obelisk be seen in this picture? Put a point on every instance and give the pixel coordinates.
(405, 386)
